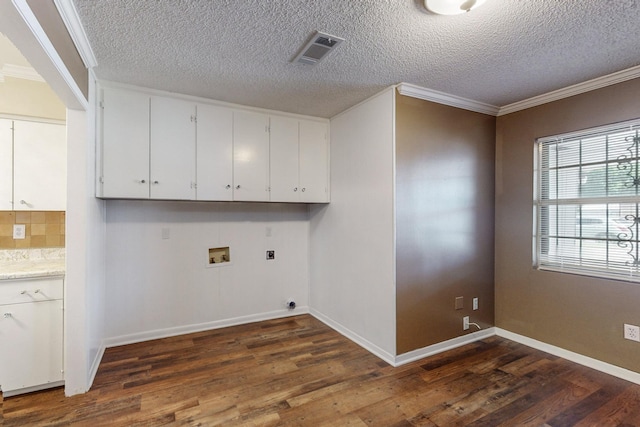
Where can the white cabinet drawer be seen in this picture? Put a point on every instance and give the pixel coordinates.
(30, 290)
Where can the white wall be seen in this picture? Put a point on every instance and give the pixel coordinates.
(352, 239)
(84, 281)
(159, 287)
(95, 246)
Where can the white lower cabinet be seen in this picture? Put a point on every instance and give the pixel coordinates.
(31, 332)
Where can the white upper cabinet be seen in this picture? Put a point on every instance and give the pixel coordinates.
(6, 165)
(165, 148)
(299, 161)
(250, 156)
(214, 153)
(39, 166)
(125, 145)
(314, 162)
(283, 157)
(172, 149)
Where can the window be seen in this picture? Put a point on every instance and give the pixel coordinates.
(587, 202)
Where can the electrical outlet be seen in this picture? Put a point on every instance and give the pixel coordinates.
(632, 332)
(475, 303)
(465, 323)
(19, 231)
(271, 255)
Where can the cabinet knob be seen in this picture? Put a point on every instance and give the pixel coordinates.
(228, 186)
(23, 292)
(22, 202)
(295, 189)
(142, 181)
(7, 315)
(37, 291)
(303, 189)
(238, 187)
(155, 182)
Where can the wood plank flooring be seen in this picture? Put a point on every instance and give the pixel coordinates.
(298, 372)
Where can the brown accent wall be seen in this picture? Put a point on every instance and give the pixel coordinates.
(577, 313)
(44, 229)
(444, 220)
(53, 25)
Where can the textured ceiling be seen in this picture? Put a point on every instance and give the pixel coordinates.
(240, 51)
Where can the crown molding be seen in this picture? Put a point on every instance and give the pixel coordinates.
(577, 89)
(20, 72)
(414, 91)
(71, 20)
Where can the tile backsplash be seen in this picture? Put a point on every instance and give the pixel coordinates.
(43, 229)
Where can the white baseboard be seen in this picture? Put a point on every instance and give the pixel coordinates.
(95, 365)
(188, 329)
(589, 362)
(395, 361)
(32, 389)
(362, 342)
(440, 347)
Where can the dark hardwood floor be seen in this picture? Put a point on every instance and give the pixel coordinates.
(298, 372)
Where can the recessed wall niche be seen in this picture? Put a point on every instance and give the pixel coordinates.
(219, 256)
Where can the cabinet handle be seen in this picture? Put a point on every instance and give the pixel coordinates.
(228, 186)
(23, 292)
(155, 182)
(37, 291)
(22, 202)
(7, 315)
(238, 187)
(303, 189)
(295, 189)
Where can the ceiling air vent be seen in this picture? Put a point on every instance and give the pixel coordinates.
(317, 48)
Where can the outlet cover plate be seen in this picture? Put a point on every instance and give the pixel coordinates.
(631, 332)
(19, 231)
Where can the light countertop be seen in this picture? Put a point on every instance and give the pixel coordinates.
(31, 263)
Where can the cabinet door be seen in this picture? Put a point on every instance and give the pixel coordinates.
(39, 166)
(214, 148)
(250, 156)
(283, 154)
(173, 149)
(32, 347)
(314, 162)
(6, 165)
(125, 145)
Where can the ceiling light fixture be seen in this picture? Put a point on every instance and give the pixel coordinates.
(451, 7)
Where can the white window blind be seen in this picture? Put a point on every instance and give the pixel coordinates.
(587, 202)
